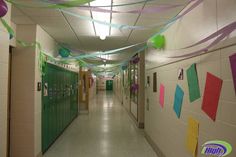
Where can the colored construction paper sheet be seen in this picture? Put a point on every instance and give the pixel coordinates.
(211, 95)
(193, 85)
(192, 136)
(179, 95)
(162, 95)
(233, 68)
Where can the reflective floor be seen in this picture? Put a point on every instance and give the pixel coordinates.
(107, 131)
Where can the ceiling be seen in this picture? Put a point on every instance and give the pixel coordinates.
(80, 34)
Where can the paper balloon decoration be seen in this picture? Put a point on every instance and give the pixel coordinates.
(158, 41)
(135, 60)
(3, 8)
(64, 52)
(134, 87)
(124, 67)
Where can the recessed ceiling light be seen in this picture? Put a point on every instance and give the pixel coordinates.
(102, 37)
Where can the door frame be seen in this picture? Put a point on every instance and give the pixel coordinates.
(9, 102)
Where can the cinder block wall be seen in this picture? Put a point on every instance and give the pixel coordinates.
(4, 60)
(167, 132)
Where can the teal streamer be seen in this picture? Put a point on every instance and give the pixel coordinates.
(125, 4)
(70, 4)
(116, 68)
(115, 51)
(117, 26)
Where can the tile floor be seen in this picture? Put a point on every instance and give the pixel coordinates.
(107, 131)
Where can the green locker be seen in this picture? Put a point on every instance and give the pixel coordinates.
(59, 102)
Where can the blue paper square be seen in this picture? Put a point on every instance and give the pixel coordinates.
(179, 95)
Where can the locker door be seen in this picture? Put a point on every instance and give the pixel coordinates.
(44, 111)
(50, 105)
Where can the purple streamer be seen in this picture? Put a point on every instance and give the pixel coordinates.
(134, 87)
(233, 69)
(222, 34)
(190, 8)
(135, 60)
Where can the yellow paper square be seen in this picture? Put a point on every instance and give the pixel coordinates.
(192, 145)
(192, 136)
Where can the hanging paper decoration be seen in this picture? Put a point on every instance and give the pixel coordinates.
(158, 41)
(174, 19)
(9, 29)
(3, 8)
(64, 52)
(117, 26)
(110, 52)
(233, 69)
(124, 67)
(135, 60)
(65, 4)
(152, 9)
(72, 3)
(134, 87)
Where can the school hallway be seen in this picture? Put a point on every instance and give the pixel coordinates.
(117, 78)
(106, 131)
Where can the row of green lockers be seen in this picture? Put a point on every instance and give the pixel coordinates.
(59, 102)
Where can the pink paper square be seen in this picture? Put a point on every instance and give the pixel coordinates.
(162, 95)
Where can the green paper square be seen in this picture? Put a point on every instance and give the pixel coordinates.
(193, 85)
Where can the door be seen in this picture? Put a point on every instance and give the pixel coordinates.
(109, 85)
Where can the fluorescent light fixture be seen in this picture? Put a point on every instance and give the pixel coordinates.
(102, 30)
(105, 57)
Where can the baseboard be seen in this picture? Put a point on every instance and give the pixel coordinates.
(141, 125)
(154, 146)
(84, 112)
(40, 154)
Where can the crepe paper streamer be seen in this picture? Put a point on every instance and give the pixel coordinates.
(8, 28)
(179, 95)
(221, 35)
(44, 56)
(124, 4)
(41, 56)
(135, 60)
(158, 41)
(153, 9)
(55, 1)
(110, 52)
(67, 4)
(192, 136)
(162, 95)
(233, 68)
(211, 95)
(64, 52)
(193, 85)
(3, 8)
(117, 26)
(174, 19)
(124, 67)
(134, 87)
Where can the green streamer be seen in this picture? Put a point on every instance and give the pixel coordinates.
(8, 28)
(69, 4)
(75, 3)
(43, 57)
